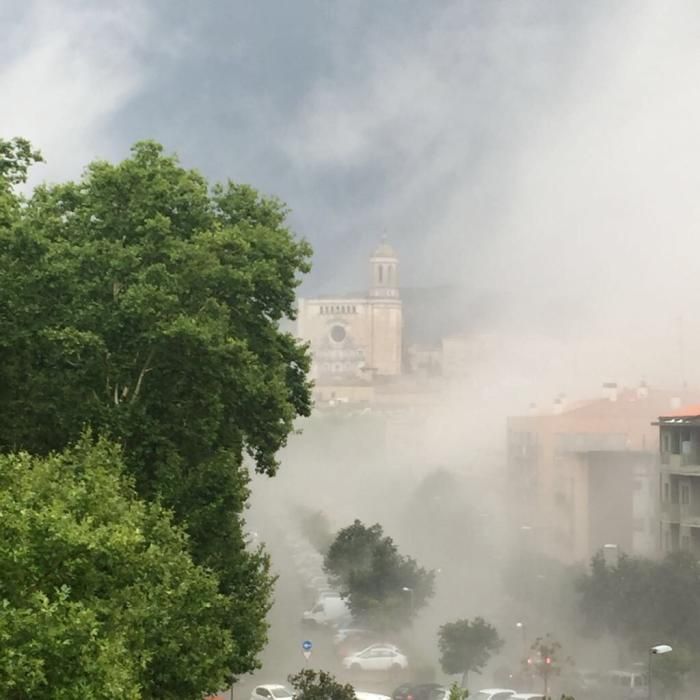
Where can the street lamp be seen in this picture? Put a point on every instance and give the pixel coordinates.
(658, 649)
(408, 590)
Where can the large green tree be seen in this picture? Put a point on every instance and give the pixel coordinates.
(146, 305)
(99, 597)
(384, 588)
(466, 646)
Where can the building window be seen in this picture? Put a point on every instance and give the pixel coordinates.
(666, 443)
(676, 442)
(667, 541)
(667, 492)
(685, 494)
(380, 273)
(338, 333)
(685, 543)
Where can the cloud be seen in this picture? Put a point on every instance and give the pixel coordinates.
(547, 156)
(71, 66)
(541, 154)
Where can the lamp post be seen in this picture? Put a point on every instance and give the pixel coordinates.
(658, 649)
(521, 627)
(408, 590)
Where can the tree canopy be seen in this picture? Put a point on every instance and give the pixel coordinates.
(466, 646)
(319, 685)
(146, 305)
(636, 600)
(16, 157)
(99, 596)
(385, 589)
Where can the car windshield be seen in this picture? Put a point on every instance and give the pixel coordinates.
(281, 692)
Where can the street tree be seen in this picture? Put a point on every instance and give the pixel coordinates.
(146, 305)
(636, 600)
(466, 646)
(547, 659)
(99, 596)
(319, 685)
(384, 588)
(457, 692)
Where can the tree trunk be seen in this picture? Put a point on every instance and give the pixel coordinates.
(465, 675)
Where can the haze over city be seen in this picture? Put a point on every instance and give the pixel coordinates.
(490, 355)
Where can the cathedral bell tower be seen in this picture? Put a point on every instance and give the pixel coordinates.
(384, 270)
(385, 314)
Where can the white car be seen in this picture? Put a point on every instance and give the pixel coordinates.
(527, 696)
(344, 632)
(493, 694)
(271, 692)
(378, 657)
(361, 695)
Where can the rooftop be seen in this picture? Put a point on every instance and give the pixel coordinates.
(686, 415)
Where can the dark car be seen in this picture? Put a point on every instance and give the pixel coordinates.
(425, 691)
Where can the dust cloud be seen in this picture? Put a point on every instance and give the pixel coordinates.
(577, 225)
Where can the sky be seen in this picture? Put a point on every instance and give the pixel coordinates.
(539, 156)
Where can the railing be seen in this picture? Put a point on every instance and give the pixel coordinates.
(682, 464)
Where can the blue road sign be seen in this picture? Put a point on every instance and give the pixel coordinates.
(307, 645)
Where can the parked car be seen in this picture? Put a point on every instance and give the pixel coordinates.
(271, 692)
(493, 694)
(353, 640)
(345, 632)
(625, 685)
(362, 695)
(377, 657)
(328, 611)
(424, 691)
(527, 696)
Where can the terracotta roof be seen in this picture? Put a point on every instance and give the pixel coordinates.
(690, 411)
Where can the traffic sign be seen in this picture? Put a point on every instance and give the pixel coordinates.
(306, 646)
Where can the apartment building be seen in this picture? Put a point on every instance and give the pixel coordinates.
(584, 474)
(679, 492)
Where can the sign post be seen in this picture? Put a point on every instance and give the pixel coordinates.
(306, 646)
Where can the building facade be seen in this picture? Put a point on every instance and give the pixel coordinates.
(355, 339)
(679, 492)
(586, 474)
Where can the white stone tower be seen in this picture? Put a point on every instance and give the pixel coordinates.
(386, 318)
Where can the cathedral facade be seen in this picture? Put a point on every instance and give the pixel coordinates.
(358, 337)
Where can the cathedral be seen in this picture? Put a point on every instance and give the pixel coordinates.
(356, 339)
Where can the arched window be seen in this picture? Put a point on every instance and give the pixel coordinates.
(390, 274)
(380, 273)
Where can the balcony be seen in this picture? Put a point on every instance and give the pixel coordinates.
(691, 521)
(670, 512)
(686, 465)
